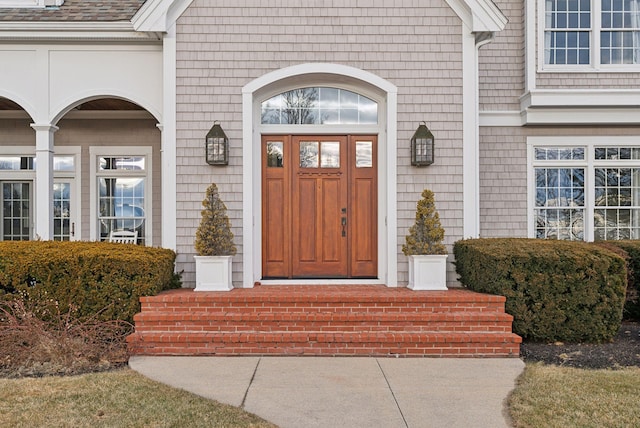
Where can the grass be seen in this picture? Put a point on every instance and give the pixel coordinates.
(551, 396)
(119, 398)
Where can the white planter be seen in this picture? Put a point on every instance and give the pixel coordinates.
(213, 273)
(428, 272)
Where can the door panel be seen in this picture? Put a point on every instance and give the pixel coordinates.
(319, 209)
(363, 204)
(319, 192)
(275, 207)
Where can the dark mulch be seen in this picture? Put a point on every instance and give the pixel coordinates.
(623, 351)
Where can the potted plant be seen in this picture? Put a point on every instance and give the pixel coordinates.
(214, 245)
(427, 255)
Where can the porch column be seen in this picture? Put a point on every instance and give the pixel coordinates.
(43, 197)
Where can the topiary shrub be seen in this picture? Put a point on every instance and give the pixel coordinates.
(426, 234)
(97, 279)
(555, 290)
(214, 236)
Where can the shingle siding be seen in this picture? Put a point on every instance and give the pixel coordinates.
(222, 46)
(501, 63)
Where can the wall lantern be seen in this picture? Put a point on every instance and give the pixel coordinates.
(217, 146)
(422, 147)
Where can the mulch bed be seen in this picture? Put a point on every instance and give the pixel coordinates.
(623, 351)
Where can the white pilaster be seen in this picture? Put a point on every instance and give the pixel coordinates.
(470, 150)
(44, 181)
(168, 141)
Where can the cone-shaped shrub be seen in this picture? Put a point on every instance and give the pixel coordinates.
(214, 236)
(426, 235)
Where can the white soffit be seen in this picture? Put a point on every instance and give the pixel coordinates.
(159, 15)
(479, 15)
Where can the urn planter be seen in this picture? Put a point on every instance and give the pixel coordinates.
(428, 272)
(213, 273)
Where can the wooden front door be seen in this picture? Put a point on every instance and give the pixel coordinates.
(319, 209)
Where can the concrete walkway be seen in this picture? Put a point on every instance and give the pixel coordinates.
(348, 392)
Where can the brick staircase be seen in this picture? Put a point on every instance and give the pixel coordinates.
(347, 320)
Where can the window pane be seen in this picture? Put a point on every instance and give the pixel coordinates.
(330, 155)
(63, 163)
(309, 151)
(275, 154)
(121, 205)
(61, 211)
(364, 154)
(133, 163)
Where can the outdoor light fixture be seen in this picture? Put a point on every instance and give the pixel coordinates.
(217, 146)
(422, 147)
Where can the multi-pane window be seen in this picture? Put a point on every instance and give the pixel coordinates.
(586, 193)
(319, 106)
(567, 31)
(16, 211)
(122, 192)
(620, 35)
(591, 32)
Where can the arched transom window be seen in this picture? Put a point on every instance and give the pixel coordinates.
(319, 106)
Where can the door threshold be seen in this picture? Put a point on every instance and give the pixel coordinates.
(372, 281)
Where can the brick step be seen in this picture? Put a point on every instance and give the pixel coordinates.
(322, 321)
(382, 300)
(328, 344)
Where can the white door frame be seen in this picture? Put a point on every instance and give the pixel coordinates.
(320, 74)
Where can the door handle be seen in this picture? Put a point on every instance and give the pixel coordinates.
(344, 226)
(73, 229)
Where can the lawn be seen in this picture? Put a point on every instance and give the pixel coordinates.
(546, 396)
(119, 398)
(552, 396)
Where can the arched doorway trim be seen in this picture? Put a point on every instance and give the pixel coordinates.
(336, 75)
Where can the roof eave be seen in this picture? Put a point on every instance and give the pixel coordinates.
(66, 30)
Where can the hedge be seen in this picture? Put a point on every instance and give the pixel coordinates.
(630, 251)
(97, 279)
(555, 290)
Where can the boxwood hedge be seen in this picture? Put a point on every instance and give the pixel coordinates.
(630, 251)
(555, 290)
(95, 278)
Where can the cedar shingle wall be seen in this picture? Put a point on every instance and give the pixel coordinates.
(222, 46)
(501, 62)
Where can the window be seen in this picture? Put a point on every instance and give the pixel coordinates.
(589, 191)
(591, 32)
(122, 194)
(319, 106)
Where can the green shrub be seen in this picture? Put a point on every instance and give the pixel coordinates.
(93, 277)
(630, 251)
(555, 290)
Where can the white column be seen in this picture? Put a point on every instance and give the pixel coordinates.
(44, 181)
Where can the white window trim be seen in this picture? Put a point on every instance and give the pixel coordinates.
(589, 163)
(594, 65)
(97, 151)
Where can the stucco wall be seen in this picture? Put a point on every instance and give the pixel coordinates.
(222, 46)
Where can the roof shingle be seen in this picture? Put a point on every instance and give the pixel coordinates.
(77, 10)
